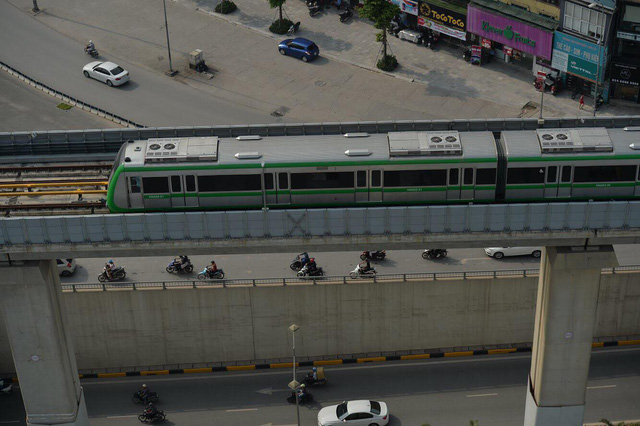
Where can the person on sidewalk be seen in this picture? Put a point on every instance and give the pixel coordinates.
(581, 102)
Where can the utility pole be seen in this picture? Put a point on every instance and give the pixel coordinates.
(35, 6)
(171, 72)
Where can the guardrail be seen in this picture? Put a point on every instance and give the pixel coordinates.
(433, 276)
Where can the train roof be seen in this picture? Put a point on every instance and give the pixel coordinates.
(358, 147)
(580, 142)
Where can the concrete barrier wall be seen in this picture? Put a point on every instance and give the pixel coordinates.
(163, 327)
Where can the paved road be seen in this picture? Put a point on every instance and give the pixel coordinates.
(490, 389)
(276, 265)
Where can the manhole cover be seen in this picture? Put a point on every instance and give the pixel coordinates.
(280, 111)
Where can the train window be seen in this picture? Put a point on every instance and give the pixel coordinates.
(604, 174)
(176, 185)
(552, 174)
(485, 176)
(321, 180)
(468, 176)
(268, 181)
(566, 174)
(283, 180)
(376, 178)
(229, 183)
(135, 184)
(454, 174)
(415, 178)
(525, 175)
(190, 182)
(361, 177)
(155, 185)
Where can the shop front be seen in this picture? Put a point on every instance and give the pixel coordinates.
(626, 81)
(446, 19)
(509, 33)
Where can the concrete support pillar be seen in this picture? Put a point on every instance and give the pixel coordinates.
(31, 305)
(565, 315)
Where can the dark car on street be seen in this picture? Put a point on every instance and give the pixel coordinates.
(299, 48)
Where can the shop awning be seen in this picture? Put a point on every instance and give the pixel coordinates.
(542, 22)
(459, 6)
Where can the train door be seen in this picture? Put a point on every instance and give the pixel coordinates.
(362, 192)
(564, 188)
(453, 189)
(467, 190)
(551, 186)
(375, 188)
(270, 189)
(135, 192)
(191, 191)
(284, 192)
(177, 194)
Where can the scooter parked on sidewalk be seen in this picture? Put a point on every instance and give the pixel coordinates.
(293, 28)
(314, 8)
(344, 16)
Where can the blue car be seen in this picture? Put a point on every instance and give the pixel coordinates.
(299, 48)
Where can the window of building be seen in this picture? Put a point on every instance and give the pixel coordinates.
(631, 18)
(583, 20)
(155, 185)
(525, 175)
(321, 180)
(415, 178)
(229, 183)
(604, 174)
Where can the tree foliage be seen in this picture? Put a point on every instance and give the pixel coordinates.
(277, 3)
(380, 12)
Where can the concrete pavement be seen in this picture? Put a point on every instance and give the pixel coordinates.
(338, 87)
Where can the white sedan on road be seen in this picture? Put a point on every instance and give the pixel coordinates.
(106, 72)
(360, 413)
(500, 252)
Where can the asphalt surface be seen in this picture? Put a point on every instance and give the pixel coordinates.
(491, 389)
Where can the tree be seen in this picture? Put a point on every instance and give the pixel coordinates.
(380, 12)
(277, 3)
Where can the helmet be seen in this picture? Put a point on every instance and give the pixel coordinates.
(110, 260)
(90, 41)
(303, 386)
(144, 386)
(213, 261)
(315, 369)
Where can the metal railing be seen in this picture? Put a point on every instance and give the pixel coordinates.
(264, 282)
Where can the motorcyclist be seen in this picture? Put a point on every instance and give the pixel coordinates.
(302, 391)
(211, 269)
(144, 392)
(90, 47)
(311, 265)
(315, 374)
(109, 267)
(151, 411)
(365, 266)
(304, 258)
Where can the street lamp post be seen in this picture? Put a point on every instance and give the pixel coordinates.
(171, 71)
(601, 41)
(35, 6)
(294, 383)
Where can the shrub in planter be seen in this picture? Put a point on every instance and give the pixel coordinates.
(387, 63)
(278, 28)
(227, 6)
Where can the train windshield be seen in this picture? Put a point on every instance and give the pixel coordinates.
(117, 160)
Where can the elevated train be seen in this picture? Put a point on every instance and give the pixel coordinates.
(360, 169)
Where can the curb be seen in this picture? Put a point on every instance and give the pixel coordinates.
(432, 354)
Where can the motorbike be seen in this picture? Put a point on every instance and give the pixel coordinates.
(183, 266)
(218, 274)
(434, 253)
(359, 272)
(152, 397)
(159, 417)
(344, 16)
(396, 26)
(118, 274)
(466, 55)
(373, 255)
(298, 262)
(91, 51)
(599, 102)
(293, 28)
(314, 8)
(431, 39)
(305, 397)
(304, 272)
(310, 381)
(5, 390)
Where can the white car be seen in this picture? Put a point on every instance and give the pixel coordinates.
(106, 72)
(361, 413)
(500, 252)
(66, 267)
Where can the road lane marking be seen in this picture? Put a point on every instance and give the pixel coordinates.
(241, 409)
(482, 394)
(601, 387)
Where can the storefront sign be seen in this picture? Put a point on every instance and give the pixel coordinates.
(507, 50)
(629, 36)
(579, 57)
(506, 31)
(410, 7)
(442, 16)
(625, 74)
(442, 29)
(486, 43)
(396, 2)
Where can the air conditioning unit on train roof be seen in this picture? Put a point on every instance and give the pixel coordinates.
(171, 150)
(574, 140)
(424, 143)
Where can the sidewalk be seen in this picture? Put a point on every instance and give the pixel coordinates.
(342, 85)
